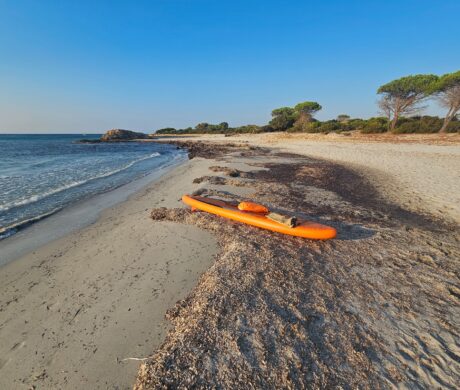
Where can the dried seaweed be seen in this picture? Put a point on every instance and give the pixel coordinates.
(375, 308)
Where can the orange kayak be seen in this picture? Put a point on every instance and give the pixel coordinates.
(306, 229)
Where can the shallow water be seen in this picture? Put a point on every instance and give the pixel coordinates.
(42, 174)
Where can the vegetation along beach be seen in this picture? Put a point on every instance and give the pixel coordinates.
(211, 195)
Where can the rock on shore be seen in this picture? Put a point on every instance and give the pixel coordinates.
(122, 135)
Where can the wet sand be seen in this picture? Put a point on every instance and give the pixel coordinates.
(73, 309)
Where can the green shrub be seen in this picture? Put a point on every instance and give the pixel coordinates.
(356, 124)
(294, 130)
(282, 122)
(300, 127)
(329, 126)
(424, 125)
(166, 130)
(267, 129)
(453, 126)
(407, 128)
(375, 125)
(321, 127)
(253, 129)
(283, 118)
(418, 124)
(345, 126)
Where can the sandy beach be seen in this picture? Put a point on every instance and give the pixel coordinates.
(73, 309)
(375, 308)
(229, 195)
(419, 172)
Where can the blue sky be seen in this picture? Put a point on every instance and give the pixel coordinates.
(87, 66)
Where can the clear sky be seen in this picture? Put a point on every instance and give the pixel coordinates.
(87, 66)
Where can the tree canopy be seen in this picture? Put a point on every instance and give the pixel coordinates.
(410, 87)
(400, 100)
(447, 91)
(283, 111)
(343, 117)
(308, 108)
(283, 118)
(401, 96)
(305, 111)
(446, 82)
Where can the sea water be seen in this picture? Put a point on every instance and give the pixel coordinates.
(42, 174)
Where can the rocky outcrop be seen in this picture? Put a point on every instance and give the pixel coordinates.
(122, 135)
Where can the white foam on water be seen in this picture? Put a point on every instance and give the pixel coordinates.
(12, 229)
(37, 197)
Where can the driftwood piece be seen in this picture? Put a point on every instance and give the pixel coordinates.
(284, 219)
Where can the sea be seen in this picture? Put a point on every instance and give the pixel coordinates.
(42, 174)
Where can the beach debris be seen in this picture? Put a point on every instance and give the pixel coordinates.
(76, 314)
(216, 180)
(225, 170)
(232, 172)
(217, 150)
(284, 219)
(288, 313)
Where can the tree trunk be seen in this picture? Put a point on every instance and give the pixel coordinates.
(394, 121)
(450, 114)
(443, 129)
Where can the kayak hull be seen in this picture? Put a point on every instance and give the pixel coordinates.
(305, 229)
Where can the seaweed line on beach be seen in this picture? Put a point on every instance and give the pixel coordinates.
(375, 308)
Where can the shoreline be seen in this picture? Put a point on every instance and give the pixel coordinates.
(96, 298)
(74, 308)
(75, 216)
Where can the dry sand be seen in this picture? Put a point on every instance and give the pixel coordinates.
(419, 172)
(72, 310)
(378, 307)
